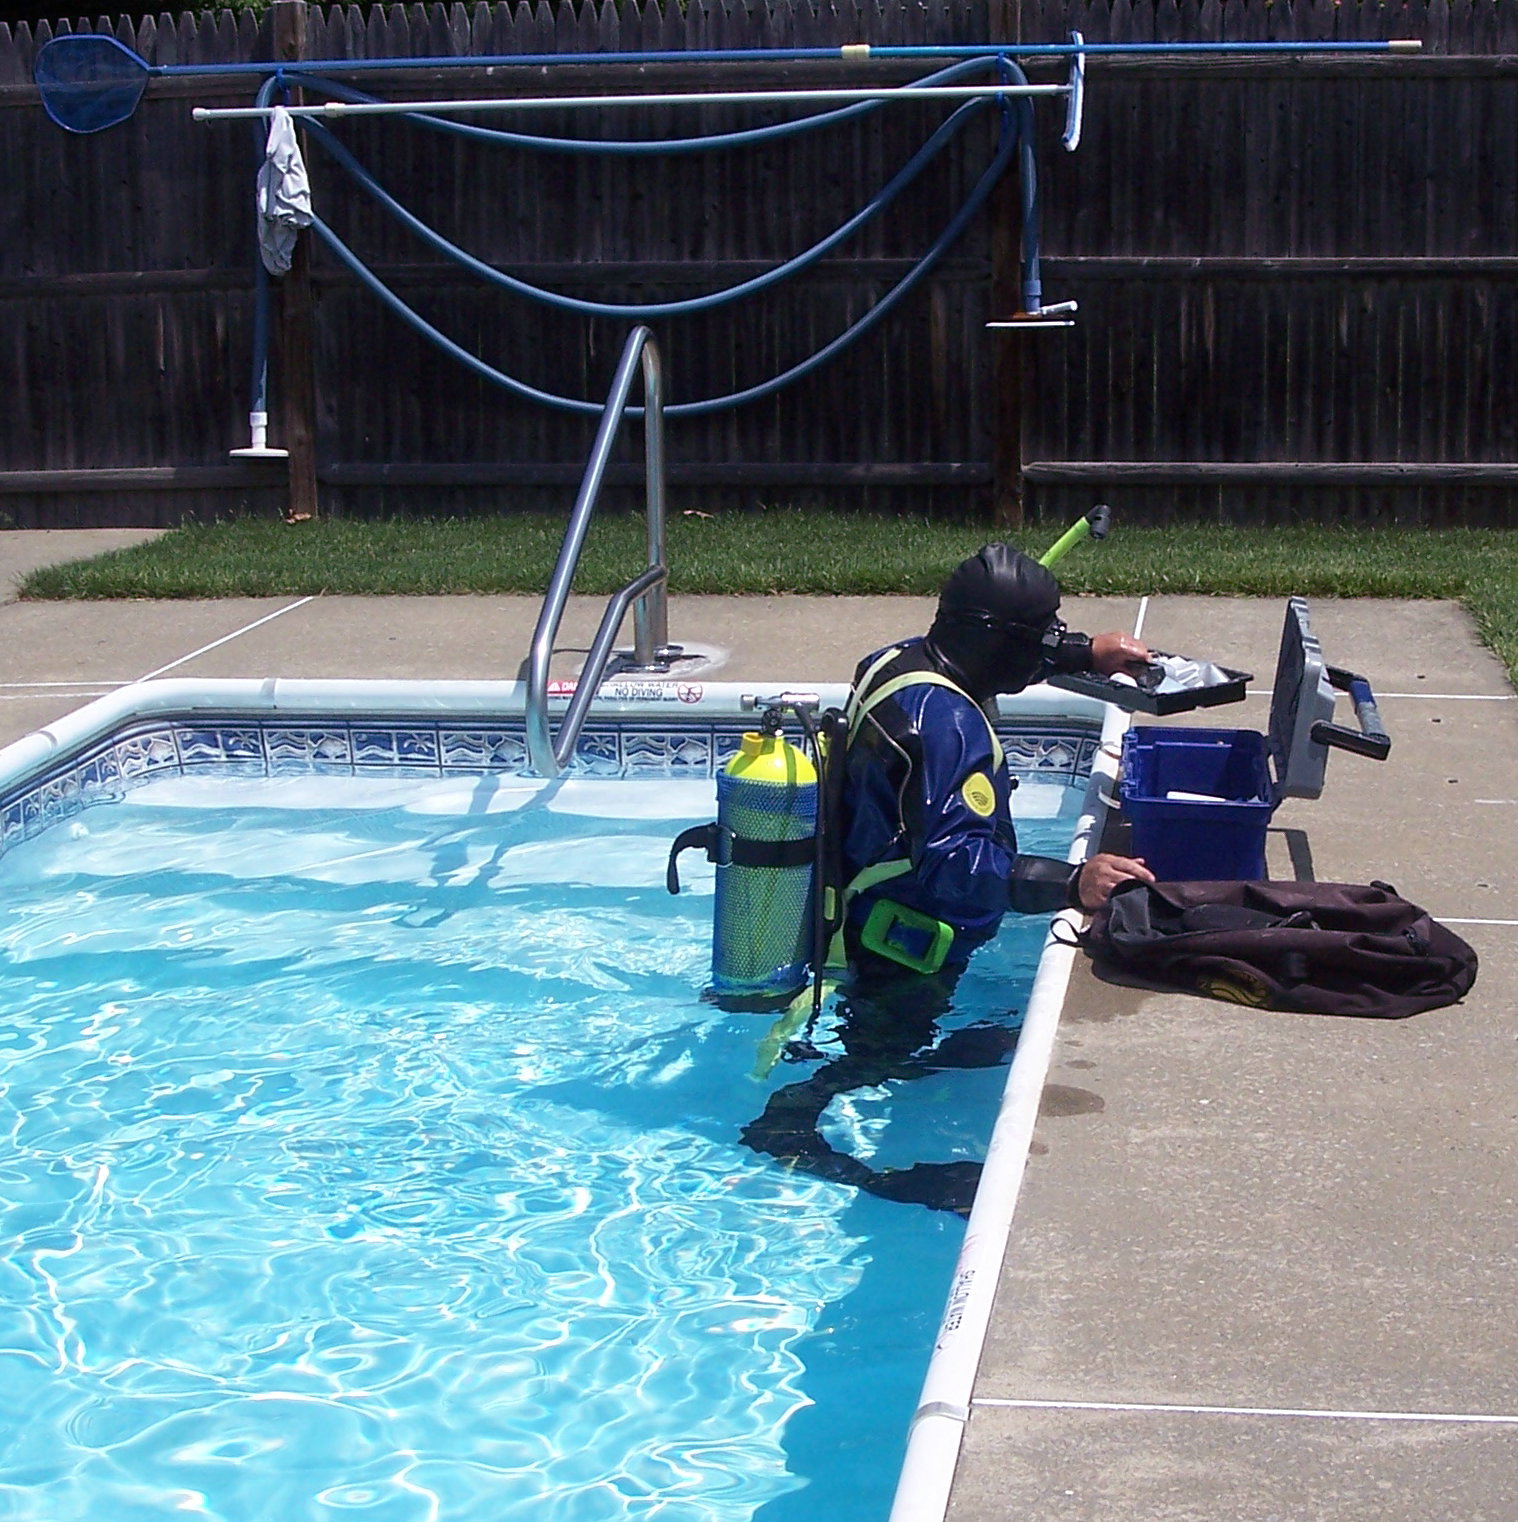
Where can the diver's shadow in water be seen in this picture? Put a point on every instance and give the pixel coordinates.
(888, 1029)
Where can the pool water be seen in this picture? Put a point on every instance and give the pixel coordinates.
(369, 1152)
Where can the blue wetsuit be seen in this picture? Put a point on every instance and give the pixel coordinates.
(926, 786)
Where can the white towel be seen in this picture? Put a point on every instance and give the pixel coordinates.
(284, 194)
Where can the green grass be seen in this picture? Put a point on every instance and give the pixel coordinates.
(780, 550)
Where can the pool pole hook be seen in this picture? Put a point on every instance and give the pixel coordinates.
(1075, 104)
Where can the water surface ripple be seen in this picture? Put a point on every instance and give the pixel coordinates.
(382, 1162)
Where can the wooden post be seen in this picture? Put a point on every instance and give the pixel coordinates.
(1009, 349)
(297, 390)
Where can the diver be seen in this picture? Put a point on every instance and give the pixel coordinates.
(929, 856)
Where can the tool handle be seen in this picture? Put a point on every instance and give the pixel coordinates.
(1371, 739)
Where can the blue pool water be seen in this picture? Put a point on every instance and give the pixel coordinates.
(369, 1152)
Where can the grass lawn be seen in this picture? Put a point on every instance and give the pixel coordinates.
(780, 550)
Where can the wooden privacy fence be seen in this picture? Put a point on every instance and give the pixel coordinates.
(1296, 277)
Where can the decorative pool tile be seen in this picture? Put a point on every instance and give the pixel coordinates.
(109, 769)
(324, 749)
(409, 750)
(397, 750)
(144, 754)
(220, 746)
(682, 753)
(482, 750)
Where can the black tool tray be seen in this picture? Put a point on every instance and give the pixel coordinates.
(1134, 699)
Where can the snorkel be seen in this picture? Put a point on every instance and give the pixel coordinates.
(1095, 525)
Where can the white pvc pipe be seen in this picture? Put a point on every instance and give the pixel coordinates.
(943, 1409)
(597, 102)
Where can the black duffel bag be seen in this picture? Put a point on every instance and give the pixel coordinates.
(1325, 948)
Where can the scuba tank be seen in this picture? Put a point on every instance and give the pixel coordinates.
(761, 931)
(764, 844)
(767, 845)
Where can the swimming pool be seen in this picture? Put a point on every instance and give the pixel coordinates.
(401, 1181)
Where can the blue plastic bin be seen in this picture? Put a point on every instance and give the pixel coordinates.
(1200, 800)
(1216, 828)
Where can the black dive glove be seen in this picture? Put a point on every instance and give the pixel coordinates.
(1042, 885)
(1071, 655)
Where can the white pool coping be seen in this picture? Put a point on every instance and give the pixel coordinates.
(296, 697)
(943, 1408)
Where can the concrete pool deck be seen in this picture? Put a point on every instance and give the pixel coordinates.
(1263, 1266)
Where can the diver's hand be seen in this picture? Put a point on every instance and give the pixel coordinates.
(1103, 873)
(1112, 654)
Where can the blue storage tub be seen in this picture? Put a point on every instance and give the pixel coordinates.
(1199, 800)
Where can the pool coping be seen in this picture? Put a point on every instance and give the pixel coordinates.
(937, 1427)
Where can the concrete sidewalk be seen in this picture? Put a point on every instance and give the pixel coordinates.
(1263, 1265)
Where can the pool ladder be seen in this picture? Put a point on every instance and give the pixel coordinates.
(647, 592)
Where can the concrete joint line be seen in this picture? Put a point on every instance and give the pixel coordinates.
(227, 638)
(1435, 697)
(1472, 1417)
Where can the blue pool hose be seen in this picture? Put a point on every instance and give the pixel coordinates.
(105, 63)
(1015, 134)
(644, 311)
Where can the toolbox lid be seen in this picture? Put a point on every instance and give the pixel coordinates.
(1303, 696)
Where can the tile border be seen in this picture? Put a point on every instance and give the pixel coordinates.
(137, 752)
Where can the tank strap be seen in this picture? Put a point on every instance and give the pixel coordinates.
(864, 879)
(851, 709)
(728, 850)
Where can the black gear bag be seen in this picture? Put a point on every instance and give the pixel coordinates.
(1323, 948)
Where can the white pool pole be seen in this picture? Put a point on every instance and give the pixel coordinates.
(600, 102)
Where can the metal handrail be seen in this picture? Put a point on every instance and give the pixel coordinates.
(647, 591)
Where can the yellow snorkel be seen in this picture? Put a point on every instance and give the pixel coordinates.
(1095, 525)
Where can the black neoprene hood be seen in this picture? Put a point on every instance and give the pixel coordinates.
(1004, 584)
(991, 615)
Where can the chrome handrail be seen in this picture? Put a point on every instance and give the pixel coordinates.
(546, 756)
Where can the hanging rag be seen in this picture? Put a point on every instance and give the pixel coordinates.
(284, 194)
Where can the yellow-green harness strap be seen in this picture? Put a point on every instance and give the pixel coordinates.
(855, 713)
(858, 708)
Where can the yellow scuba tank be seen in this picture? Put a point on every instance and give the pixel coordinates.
(766, 827)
